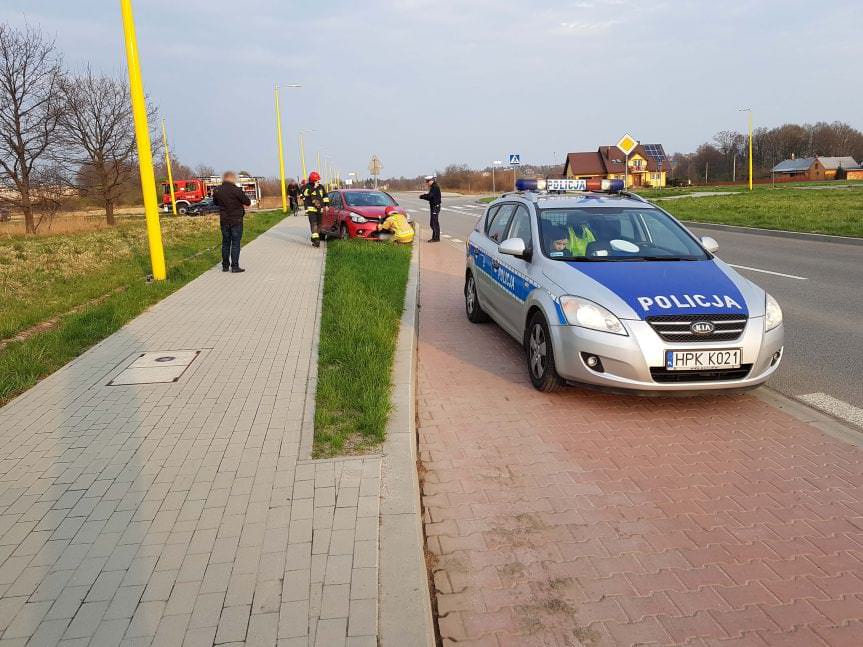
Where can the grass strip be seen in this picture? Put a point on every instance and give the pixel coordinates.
(838, 212)
(24, 363)
(364, 290)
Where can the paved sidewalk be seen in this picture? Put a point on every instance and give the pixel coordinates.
(588, 519)
(189, 513)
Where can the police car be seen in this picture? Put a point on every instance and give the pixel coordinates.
(604, 288)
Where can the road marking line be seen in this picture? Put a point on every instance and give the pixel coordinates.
(834, 407)
(446, 235)
(755, 269)
(457, 240)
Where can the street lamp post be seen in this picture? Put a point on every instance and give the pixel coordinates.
(749, 110)
(142, 137)
(281, 146)
(168, 168)
(303, 149)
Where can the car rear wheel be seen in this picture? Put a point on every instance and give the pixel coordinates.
(182, 208)
(540, 356)
(475, 313)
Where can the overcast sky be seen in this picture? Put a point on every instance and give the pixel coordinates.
(425, 83)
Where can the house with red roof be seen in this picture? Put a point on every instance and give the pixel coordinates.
(647, 165)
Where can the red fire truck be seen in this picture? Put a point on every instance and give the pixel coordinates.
(188, 192)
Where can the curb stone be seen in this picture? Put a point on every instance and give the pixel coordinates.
(811, 416)
(405, 616)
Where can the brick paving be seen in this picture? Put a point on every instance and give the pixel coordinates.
(589, 519)
(190, 513)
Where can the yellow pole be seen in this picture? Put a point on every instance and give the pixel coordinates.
(303, 156)
(142, 136)
(168, 166)
(281, 151)
(750, 150)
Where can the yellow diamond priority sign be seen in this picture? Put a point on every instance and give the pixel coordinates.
(627, 144)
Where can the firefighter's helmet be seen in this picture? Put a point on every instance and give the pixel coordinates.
(314, 176)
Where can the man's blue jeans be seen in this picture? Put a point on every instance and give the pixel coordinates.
(232, 234)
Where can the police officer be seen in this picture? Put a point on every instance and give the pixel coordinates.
(434, 200)
(314, 199)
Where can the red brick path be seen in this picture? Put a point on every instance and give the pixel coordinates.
(590, 519)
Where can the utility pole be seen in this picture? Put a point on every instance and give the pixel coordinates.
(142, 137)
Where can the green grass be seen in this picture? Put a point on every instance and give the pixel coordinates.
(838, 212)
(364, 289)
(46, 287)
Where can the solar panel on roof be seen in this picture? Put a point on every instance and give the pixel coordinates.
(655, 151)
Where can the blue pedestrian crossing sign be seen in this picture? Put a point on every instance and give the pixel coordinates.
(515, 159)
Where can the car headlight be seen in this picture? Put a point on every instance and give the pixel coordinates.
(772, 313)
(587, 314)
(357, 218)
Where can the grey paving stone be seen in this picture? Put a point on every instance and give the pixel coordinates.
(233, 624)
(335, 601)
(86, 619)
(263, 630)
(48, 633)
(331, 633)
(363, 620)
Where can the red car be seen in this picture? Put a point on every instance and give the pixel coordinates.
(356, 213)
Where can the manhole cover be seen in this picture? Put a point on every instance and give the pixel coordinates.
(156, 368)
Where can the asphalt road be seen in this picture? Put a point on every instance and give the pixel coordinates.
(818, 283)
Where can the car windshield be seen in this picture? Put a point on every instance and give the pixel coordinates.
(615, 234)
(368, 199)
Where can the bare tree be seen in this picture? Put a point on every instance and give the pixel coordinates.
(204, 170)
(98, 133)
(30, 106)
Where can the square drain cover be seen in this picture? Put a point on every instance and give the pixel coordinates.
(156, 368)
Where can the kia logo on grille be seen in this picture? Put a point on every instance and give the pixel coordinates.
(702, 328)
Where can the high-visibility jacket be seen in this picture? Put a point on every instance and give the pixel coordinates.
(576, 244)
(401, 228)
(315, 198)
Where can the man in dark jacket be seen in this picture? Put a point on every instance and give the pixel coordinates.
(434, 200)
(232, 202)
(294, 196)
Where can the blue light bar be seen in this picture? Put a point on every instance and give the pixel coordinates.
(529, 184)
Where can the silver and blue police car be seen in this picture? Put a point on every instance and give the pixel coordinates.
(604, 288)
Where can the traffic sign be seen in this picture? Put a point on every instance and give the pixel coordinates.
(627, 144)
(375, 166)
(515, 159)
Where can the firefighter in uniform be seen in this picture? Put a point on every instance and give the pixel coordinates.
(315, 199)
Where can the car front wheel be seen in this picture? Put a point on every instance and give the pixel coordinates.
(540, 356)
(344, 233)
(475, 313)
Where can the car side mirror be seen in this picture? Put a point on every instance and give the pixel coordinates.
(513, 247)
(709, 244)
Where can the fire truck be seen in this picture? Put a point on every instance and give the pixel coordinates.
(188, 192)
